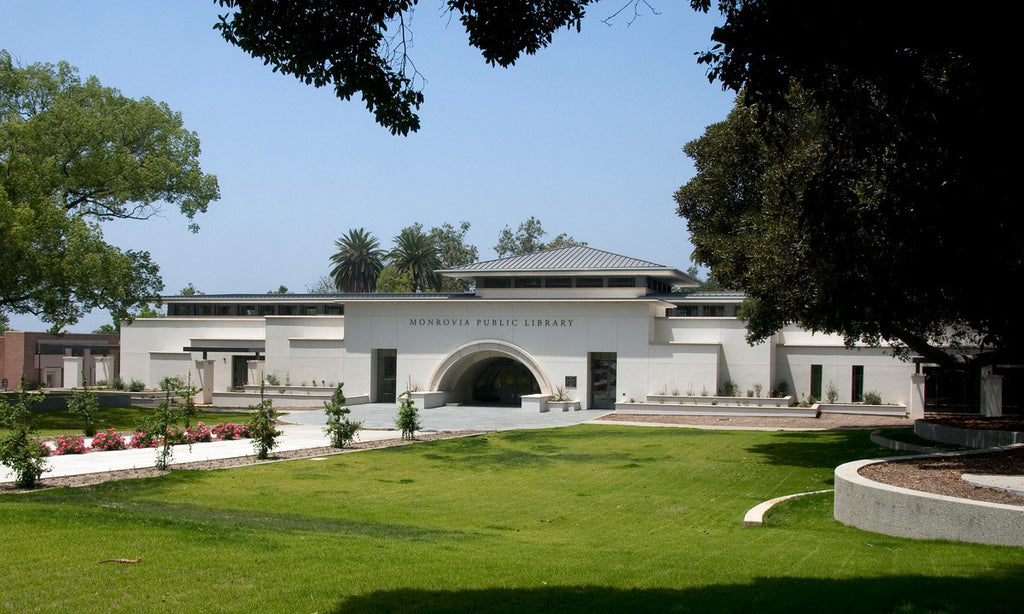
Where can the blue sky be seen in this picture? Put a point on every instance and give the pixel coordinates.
(586, 136)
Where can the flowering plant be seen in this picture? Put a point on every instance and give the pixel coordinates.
(108, 440)
(195, 434)
(142, 439)
(69, 444)
(227, 430)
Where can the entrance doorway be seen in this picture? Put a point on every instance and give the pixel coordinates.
(239, 371)
(503, 381)
(602, 380)
(385, 365)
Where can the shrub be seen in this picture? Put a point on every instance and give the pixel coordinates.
(83, 403)
(108, 440)
(262, 427)
(781, 389)
(142, 439)
(831, 394)
(408, 419)
(273, 379)
(872, 398)
(170, 384)
(69, 444)
(25, 456)
(730, 389)
(136, 386)
(117, 383)
(340, 429)
(196, 434)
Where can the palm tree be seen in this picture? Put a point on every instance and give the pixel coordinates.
(416, 254)
(358, 261)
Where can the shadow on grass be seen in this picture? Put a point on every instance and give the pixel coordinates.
(903, 594)
(812, 450)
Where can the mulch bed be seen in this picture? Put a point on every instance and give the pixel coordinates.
(941, 475)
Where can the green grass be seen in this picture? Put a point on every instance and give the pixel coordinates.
(583, 519)
(124, 419)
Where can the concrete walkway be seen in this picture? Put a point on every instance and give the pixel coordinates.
(304, 429)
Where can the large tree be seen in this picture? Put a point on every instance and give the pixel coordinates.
(363, 47)
(415, 253)
(881, 173)
(529, 238)
(358, 261)
(74, 153)
(453, 251)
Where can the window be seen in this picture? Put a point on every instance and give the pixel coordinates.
(590, 282)
(857, 394)
(286, 310)
(335, 310)
(621, 282)
(204, 310)
(714, 311)
(222, 310)
(497, 282)
(528, 282)
(265, 310)
(816, 381)
(558, 282)
(682, 311)
(309, 310)
(249, 310)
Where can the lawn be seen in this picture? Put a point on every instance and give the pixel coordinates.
(54, 422)
(583, 519)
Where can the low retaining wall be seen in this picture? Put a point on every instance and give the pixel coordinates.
(715, 410)
(968, 438)
(901, 512)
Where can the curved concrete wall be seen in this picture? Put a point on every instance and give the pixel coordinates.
(891, 510)
(969, 438)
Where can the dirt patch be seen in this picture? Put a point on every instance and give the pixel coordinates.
(239, 461)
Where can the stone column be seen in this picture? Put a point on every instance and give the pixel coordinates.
(73, 369)
(205, 369)
(104, 369)
(915, 400)
(256, 372)
(991, 393)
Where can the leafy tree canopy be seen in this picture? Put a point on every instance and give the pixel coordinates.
(358, 261)
(392, 281)
(528, 238)
(416, 254)
(74, 153)
(363, 47)
(833, 247)
(453, 251)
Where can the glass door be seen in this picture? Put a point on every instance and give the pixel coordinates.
(602, 380)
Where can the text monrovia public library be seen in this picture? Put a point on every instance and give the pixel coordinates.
(492, 322)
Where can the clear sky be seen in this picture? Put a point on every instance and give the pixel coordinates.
(586, 136)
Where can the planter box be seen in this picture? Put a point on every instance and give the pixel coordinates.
(701, 401)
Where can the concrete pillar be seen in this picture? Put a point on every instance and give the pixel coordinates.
(991, 393)
(73, 369)
(915, 400)
(257, 370)
(104, 369)
(205, 370)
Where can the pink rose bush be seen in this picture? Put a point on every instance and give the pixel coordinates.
(108, 440)
(112, 440)
(69, 444)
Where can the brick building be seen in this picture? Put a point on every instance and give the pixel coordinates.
(41, 357)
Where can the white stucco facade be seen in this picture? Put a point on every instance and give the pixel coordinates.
(599, 345)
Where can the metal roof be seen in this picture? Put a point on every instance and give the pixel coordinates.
(578, 258)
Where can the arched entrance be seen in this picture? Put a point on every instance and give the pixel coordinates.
(489, 372)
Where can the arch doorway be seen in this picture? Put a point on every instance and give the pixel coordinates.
(489, 372)
(502, 381)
